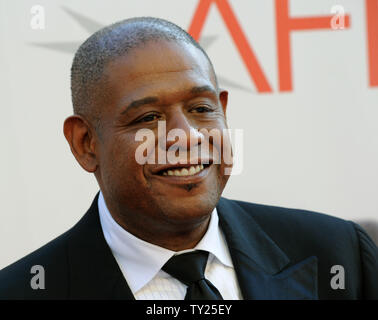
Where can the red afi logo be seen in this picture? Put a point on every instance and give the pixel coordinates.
(284, 25)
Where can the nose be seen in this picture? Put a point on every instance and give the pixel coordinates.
(182, 132)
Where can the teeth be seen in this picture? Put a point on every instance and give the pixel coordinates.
(184, 172)
(192, 170)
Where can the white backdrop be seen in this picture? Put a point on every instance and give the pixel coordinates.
(314, 147)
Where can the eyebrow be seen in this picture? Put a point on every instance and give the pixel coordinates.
(140, 102)
(149, 100)
(197, 90)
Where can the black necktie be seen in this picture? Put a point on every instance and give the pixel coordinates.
(189, 268)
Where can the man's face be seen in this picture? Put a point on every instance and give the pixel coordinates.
(160, 81)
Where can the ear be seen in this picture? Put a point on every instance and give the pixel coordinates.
(81, 139)
(223, 98)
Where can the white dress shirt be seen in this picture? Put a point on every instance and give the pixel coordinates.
(141, 261)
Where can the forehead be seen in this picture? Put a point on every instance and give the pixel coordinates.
(158, 67)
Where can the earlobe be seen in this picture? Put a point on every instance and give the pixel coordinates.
(79, 136)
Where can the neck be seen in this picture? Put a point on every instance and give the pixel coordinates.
(174, 237)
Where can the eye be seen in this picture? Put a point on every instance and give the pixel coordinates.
(202, 109)
(149, 118)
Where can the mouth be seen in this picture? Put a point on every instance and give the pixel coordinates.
(183, 173)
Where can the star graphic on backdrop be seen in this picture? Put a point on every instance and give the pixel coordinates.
(92, 26)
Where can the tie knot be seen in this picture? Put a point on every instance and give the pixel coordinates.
(187, 267)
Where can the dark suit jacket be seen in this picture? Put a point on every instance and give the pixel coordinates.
(277, 253)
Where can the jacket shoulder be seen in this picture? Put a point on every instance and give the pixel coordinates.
(302, 233)
(276, 219)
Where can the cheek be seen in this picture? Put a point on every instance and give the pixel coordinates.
(220, 141)
(119, 167)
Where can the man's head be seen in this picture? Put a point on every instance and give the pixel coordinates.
(128, 77)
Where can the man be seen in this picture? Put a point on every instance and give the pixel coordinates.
(160, 230)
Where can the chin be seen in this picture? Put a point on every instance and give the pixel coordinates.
(190, 208)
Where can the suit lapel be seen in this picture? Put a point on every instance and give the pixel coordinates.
(94, 272)
(263, 269)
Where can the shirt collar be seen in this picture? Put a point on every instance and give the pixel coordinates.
(140, 261)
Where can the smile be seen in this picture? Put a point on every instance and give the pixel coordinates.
(183, 174)
(190, 171)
